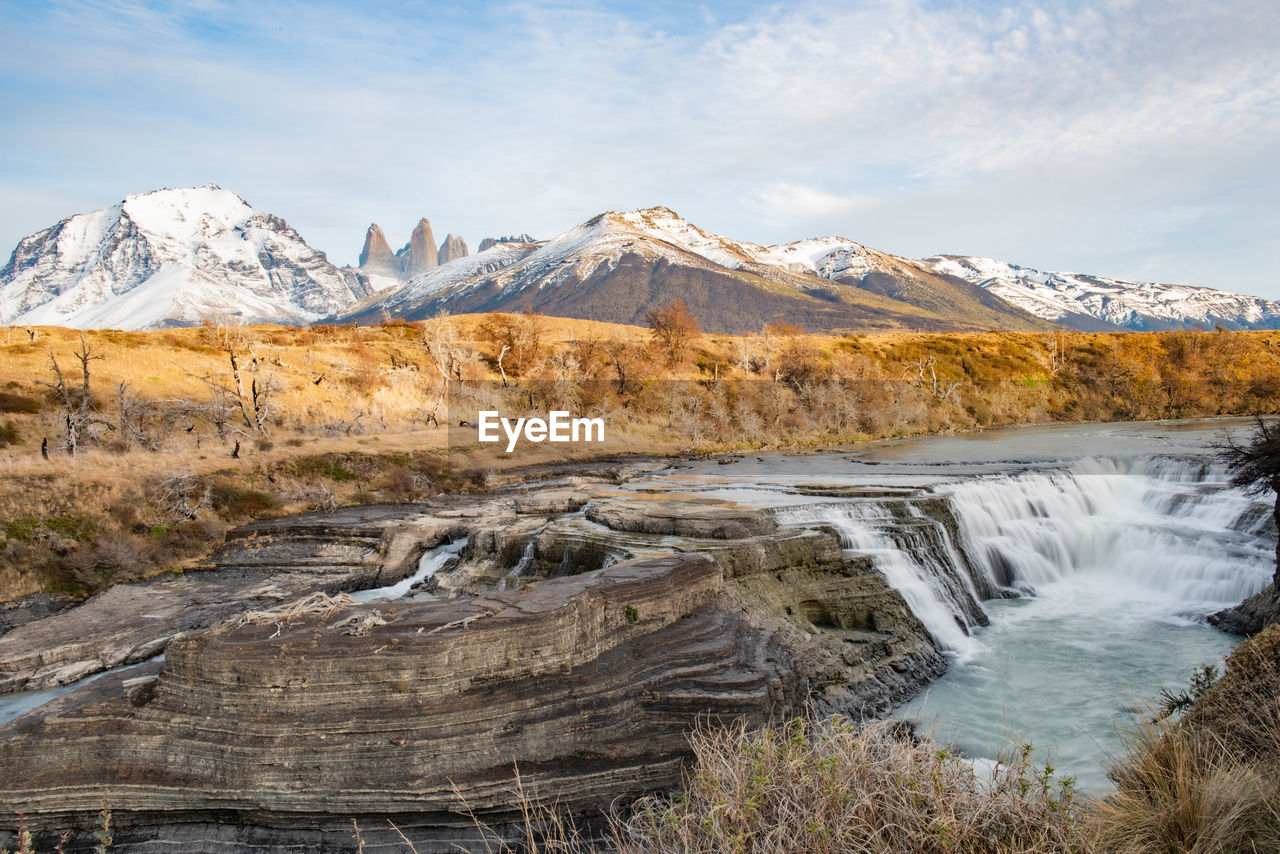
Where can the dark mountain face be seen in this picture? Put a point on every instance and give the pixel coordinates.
(618, 267)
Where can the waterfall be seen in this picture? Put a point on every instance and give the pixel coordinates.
(1169, 526)
(1172, 526)
(915, 556)
(526, 558)
(429, 564)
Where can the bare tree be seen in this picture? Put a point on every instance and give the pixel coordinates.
(1255, 466)
(79, 409)
(220, 410)
(263, 408)
(131, 419)
(441, 342)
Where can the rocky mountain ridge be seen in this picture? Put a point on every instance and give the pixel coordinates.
(183, 256)
(172, 257)
(386, 269)
(1098, 303)
(616, 267)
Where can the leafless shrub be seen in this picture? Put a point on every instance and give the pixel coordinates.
(319, 604)
(180, 495)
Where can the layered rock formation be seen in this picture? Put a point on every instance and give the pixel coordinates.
(588, 646)
(262, 564)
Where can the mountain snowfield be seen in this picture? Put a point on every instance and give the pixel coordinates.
(172, 257)
(617, 266)
(1070, 298)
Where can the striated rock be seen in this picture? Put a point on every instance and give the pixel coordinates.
(261, 564)
(588, 683)
(34, 607)
(844, 627)
(452, 249)
(681, 519)
(625, 626)
(420, 254)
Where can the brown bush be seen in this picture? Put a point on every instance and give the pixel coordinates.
(113, 558)
(17, 403)
(835, 787)
(9, 434)
(234, 502)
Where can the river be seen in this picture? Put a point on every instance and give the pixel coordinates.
(1095, 551)
(1066, 571)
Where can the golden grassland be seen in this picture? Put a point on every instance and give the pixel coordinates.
(184, 432)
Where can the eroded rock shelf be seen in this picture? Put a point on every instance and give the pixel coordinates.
(625, 626)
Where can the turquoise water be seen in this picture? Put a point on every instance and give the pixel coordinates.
(1066, 671)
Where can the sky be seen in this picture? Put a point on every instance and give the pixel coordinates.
(1119, 137)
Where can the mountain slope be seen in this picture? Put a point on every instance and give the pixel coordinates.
(1096, 303)
(172, 257)
(618, 266)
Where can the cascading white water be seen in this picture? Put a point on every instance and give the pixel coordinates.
(1125, 559)
(430, 563)
(1115, 565)
(1169, 525)
(930, 579)
(526, 558)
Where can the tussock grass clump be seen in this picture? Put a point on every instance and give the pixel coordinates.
(1210, 781)
(834, 787)
(1179, 790)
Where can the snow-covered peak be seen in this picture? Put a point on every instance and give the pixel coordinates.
(1066, 297)
(665, 224)
(172, 256)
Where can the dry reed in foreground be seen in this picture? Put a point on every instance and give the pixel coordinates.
(834, 787)
(825, 787)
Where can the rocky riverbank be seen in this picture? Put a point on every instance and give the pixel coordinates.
(583, 635)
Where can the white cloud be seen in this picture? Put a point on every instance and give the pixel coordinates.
(786, 202)
(1084, 132)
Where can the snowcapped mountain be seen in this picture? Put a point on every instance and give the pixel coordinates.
(172, 258)
(617, 266)
(403, 301)
(1095, 303)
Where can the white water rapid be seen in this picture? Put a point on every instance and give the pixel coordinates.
(1169, 526)
(1097, 576)
(1119, 563)
(430, 563)
(914, 555)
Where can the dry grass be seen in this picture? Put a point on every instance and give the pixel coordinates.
(1181, 791)
(835, 787)
(1211, 781)
(350, 415)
